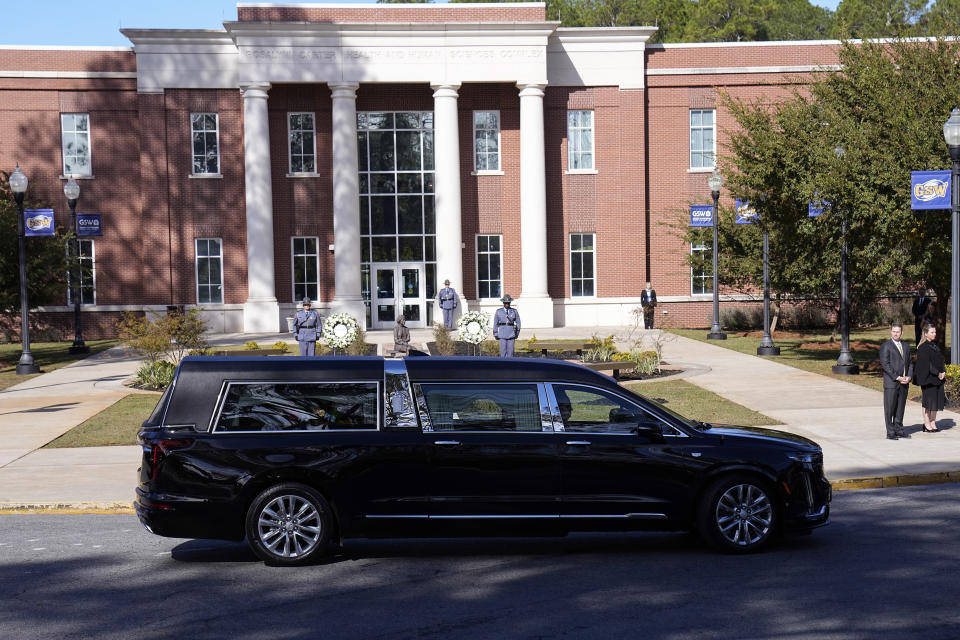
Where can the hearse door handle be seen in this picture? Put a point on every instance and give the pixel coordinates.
(579, 442)
(447, 443)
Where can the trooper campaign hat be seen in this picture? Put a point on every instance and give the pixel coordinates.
(306, 302)
(506, 299)
(447, 282)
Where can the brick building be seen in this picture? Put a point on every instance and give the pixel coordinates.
(361, 154)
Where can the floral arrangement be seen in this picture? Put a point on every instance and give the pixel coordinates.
(340, 330)
(473, 327)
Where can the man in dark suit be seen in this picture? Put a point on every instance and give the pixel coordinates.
(920, 312)
(648, 301)
(897, 371)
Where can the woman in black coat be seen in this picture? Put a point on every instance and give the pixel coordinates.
(929, 374)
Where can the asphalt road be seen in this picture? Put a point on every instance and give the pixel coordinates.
(887, 567)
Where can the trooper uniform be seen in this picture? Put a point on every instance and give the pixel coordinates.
(448, 302)
(306, 328)
(506, 327)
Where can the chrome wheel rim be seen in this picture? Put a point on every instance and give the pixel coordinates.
(289, 526)
(744, 515)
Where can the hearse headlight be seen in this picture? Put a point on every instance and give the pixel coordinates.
(801, 456)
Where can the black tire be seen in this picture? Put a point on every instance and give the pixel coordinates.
(738, 514)
(289, 524)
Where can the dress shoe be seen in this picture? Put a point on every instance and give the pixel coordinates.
(903, 435)
(889, 437)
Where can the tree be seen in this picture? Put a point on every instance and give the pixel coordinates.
(46, 260)
(877, 18)
(885, 107)
(940, 19)
(727, 21)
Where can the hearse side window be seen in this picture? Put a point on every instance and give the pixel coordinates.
(483, 407)
(298, 406)
(591, 410)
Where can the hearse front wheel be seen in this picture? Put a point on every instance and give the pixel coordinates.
(289, 524)
(737, 515)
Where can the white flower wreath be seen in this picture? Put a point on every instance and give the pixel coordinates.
(340, 330)
(473, 327)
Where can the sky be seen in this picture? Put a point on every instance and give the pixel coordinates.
(62, 23)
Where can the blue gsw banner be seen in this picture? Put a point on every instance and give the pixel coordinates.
(88, 224)
(38, 222)
(745, 213)
(701, 215)
(929, 189)
(814, 210)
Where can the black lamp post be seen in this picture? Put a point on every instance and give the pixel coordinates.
(845, 365)
(766, 348)
(72, 191)
(26, 365)
(951, 133)
(716, 333)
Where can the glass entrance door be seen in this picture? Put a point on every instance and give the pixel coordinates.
(398, 289)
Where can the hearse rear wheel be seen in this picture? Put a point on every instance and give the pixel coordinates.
(737, 515)
(289, 524)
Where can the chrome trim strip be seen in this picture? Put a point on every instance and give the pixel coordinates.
(397, 517)
(425, 421)
(599, 516)
(498, 517)
(546, 416)
(554, 409)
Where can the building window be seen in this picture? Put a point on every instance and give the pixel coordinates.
(489, 263)
(703, 141)
(75, 142)
(486, 140)
(87, 288)
(209, 271)
(303, 150)
(580, 140)
(701, 268)
(582, 258)
(306, 267)
(205, 132)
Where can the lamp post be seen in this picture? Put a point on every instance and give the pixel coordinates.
(766, 348)
(951, 134)
(716, 333)
(72, 191)
(26, 365)
(845, 365)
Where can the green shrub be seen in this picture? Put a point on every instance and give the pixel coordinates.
(446, 346)
(645, 362)
(600, 350)
(620, 356)
(206, 351)
(156, 375)
(532, 344)
(251, 346)
(490, 348)
(281, 346)
(951, 384)
(169, 337)
(742, 319)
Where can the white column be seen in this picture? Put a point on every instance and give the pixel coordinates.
(534, 304)
(261, 313)
(346, 202)
(446, 132)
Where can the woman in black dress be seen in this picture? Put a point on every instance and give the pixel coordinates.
(929, 373)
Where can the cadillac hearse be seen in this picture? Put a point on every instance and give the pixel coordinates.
(295, 454)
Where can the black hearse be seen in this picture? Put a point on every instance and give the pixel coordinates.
(296, 454)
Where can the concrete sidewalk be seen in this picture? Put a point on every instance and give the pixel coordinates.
(845, 418)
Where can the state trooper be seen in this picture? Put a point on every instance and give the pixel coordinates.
(448, 302)
(306, 327)
(506, 327)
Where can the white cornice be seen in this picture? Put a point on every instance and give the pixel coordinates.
(14, 73)
(707, 71)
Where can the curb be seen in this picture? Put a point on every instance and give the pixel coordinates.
(116, 508)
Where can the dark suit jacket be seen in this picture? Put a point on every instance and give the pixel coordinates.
(893, 364)
(929, 364)
(920, 308)
(648, 300)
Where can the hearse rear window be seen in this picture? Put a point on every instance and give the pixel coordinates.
(483, 407)
(298, 406)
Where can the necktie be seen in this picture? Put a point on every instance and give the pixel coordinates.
(900, 349)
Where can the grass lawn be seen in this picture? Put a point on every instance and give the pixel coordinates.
(115, 425)
(47, 355)
(699, 404)
(812, 350)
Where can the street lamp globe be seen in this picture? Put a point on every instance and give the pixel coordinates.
(71, 189)
(18, 181)
(715, 181)
(951, 128)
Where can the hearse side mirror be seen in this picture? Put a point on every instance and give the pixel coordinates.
(649, 429)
